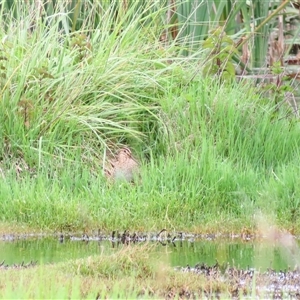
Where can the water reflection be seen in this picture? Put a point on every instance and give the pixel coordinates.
(239, 254)
(180, 253)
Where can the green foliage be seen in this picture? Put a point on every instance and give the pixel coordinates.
(207, 150)
(244, 21)
(87, 87)
(280, 86)
(221, 50)
(219, 162)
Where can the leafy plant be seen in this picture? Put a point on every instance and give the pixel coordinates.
(81, 44)
(279, 87)
(281, 84)
(221, 50)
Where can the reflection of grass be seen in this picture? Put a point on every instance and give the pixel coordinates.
(211, 155)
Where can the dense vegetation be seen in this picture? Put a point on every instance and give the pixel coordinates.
(213, 152)
(80, 79)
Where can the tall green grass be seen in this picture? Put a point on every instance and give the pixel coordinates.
(229, 155)
(211, 154)
(97, 87)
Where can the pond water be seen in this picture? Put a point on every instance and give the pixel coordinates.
(238, 253)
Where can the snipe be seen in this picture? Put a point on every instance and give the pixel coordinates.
(124, 167)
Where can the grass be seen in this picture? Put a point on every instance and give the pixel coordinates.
(213, 155)
(227, 158)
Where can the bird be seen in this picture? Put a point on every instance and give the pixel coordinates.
(124, 167)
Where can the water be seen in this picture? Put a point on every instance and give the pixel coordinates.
(243, 255)
(251, 254)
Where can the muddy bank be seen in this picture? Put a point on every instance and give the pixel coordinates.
(249, 282)
(23, 265)
(127, 236)
(162, 236)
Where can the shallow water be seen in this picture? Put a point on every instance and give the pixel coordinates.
(238, 253)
